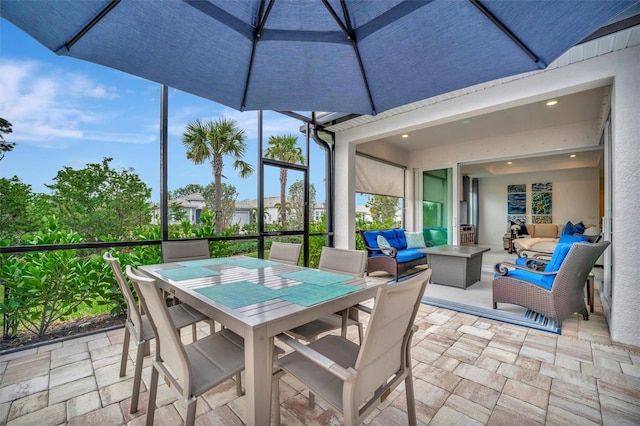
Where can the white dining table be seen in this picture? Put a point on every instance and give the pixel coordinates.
(259, 299)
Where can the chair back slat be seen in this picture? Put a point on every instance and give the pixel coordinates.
(383, 353)
(170, 351)
(288, 253)
(181, 251)
(346, 262)
(133, 309)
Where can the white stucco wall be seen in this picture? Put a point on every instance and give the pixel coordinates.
(620, 68)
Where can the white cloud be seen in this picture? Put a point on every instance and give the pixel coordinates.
(52, 107)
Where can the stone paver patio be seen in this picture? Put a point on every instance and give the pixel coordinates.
(467, 370)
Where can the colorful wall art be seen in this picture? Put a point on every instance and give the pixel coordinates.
(541, 202)
(517, 203)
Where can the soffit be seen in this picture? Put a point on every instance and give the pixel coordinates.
(617, 41)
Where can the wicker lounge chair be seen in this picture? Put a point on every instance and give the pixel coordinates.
(564, 279)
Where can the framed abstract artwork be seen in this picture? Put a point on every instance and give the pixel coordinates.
(541, 202)
(517, 200)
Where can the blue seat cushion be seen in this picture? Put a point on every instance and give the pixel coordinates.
(402, 240)
(543, 281)
(408, 255)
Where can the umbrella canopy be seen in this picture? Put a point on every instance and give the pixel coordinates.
(350, 56)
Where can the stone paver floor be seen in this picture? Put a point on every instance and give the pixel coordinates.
(467, 370)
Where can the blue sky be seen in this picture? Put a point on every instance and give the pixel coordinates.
(67, 112)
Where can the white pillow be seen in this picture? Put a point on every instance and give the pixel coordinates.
(415, 240)
(592, 233)
(383, 244)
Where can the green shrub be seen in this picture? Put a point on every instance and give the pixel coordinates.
(48, 286)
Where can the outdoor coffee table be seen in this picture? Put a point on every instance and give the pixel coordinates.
(456, 266)
(259, 299)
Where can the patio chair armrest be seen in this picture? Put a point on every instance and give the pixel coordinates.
(502, 268)
(316, 357)
(393, 251)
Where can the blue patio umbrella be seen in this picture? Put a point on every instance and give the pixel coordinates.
(349, 56)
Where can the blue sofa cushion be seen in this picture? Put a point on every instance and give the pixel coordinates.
(390, 235)
(402, 240)
(408, 255)
(371, 237)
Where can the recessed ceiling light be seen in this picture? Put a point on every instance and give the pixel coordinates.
(466, 122)
(405, 136)
(573, 156)
(509, 162)
(552, 103)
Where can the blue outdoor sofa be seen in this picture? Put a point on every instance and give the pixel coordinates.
(398, 259)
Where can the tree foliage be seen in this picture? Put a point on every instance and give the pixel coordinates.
(382, 208)
(228, 199)
(296, 200)
(99, 202)
(284, 148)
(5, 129)
(15, 217)
(177, 212)
(212, 141)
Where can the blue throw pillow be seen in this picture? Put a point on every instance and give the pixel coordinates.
(579, 228)
(568, 228)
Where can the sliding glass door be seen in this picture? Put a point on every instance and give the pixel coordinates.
(437, 215)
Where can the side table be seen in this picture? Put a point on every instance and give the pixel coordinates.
(512, 237)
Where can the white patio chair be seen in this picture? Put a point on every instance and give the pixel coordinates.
(339, 261)
(190, 370)
(181, 251)
(138, 326)
(288, 253)
(355, 379)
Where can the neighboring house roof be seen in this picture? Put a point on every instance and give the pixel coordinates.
(195, 200)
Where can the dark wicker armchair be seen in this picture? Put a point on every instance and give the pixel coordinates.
(566, 293)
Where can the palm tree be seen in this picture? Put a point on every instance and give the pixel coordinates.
(284, 148)
(212, 141)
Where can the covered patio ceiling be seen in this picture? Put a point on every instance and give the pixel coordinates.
(585, 106)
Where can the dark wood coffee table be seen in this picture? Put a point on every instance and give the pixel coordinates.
(456, 266)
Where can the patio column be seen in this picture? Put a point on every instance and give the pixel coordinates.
(345, 204)
(625, 104)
